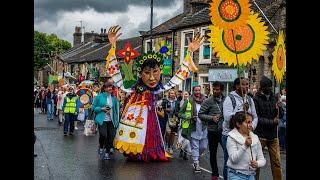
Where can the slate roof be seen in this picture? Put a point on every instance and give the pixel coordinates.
(200, 17)
(91, 51)
(164, 27)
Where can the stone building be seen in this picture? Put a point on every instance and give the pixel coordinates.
(194, 18)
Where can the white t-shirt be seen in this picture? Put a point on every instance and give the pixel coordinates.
(109, 103)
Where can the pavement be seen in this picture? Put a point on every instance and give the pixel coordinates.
(76, 158)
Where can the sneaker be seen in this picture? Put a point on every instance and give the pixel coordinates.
(111, 151)
(35, 155)
(196, 168)
(106, 156)
(170, 150)
(100, 151)
(214, 177)
(76, 128)
(65, 134)
(181, 154)
(185, 156)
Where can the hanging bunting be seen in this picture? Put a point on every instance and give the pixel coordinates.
(229, 14)
(250, 41)
(279, 58)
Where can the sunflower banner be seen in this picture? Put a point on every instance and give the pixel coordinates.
(247, 42)
(279, 58)
(229, 14)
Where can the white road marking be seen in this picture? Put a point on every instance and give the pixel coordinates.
(207, 171)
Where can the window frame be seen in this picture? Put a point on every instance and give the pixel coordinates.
(201, 59)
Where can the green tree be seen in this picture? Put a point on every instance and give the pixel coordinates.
(45, 45)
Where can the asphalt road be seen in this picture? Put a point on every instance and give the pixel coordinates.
(75, 157)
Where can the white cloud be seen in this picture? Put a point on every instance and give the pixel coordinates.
(130, 21)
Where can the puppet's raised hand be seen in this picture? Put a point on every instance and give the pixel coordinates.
(196, 43)
(112, 34)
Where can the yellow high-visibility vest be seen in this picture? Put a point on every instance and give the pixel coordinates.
(70, 106)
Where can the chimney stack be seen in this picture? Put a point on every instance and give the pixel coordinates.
(77, 36)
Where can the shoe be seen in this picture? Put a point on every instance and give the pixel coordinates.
(214, 177)
(111, 151)
(76, 128)
(35, 155)
(100, 151)
(170, 150)
(65, 134)
(71, 133)
(196, 168)
(185, 156)
(60, 123)
(181, 154)
(106, 156)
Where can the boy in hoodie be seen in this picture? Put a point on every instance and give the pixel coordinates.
(235, 102)
(70, 108)
(211, 114)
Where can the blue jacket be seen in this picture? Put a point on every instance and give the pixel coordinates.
(101, 101)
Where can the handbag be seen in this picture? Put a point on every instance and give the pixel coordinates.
(160, 113)
(173, 122)
(90, 128)
(81, 116)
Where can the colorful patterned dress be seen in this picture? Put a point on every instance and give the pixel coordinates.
(138, 135)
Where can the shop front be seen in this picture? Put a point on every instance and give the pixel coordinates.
(224, 75)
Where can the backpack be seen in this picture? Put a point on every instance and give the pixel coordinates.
(234, 103)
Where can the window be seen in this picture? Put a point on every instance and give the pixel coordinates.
(148, 45)
(204, 83)
(205, 49)
(184, 43)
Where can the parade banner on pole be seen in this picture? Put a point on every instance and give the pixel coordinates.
(279, 58)
(167, 67)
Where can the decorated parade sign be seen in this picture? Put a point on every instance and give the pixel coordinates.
(229, 14)
(279, 58)
(167, 67)
(247, 42)
(128, 54)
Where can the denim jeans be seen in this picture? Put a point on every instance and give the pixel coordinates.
(69, 122)
(234, 175)
(282, 138)
(274, 153)
(50, 111)
(225, 156)
(197, 148)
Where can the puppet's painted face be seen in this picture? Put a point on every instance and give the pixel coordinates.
(151, 76)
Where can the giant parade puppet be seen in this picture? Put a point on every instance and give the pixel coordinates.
(138, 135)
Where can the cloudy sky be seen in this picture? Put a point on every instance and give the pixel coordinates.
(61, 16)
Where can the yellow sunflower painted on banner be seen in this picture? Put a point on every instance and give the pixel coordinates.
(250, 41)
(279, 58)
(229, 14)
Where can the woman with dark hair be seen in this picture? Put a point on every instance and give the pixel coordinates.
(106, 107)
(138, 135)
(244, 148)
